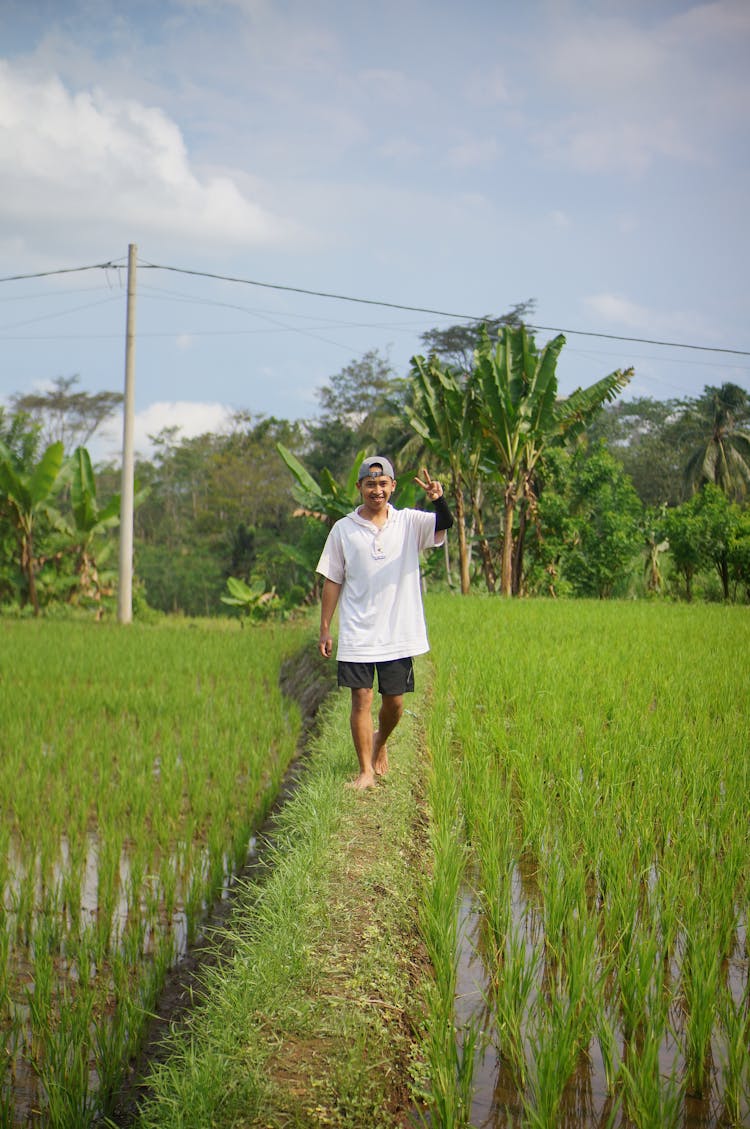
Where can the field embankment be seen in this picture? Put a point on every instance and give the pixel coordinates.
(315, 1017)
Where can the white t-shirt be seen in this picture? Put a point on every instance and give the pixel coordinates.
(380, 604)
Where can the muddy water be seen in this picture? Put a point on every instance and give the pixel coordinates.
(497, 1102)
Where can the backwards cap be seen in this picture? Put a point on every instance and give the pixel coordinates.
(365, 469)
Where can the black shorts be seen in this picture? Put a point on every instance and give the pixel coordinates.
(395, 677)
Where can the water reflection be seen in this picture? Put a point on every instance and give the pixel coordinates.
(66, 921)
(498, 1102)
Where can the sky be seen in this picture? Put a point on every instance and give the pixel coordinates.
(457, 159)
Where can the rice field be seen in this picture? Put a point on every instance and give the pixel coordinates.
(590, 790)
(586, 909)
(134, 766)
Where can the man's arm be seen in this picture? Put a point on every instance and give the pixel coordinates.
(434, 491)
(443, 516)
(328, 602)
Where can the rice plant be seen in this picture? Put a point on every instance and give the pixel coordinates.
(133, 766)
(614, 757)
(449, 1052)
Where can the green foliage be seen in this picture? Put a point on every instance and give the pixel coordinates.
(708, 532)
(457, 344)
(216, 506)
(362, 407)
(589, 529)
(685, 531)
(83, 500)
(671, 447)
(738, 555)
(722, 454)
(55, 559)
(636, 433)
(520, 415)
(253, 599)
(327, 500)
(443, 413)
(183, 581)
(26, 495)
(20, 435)
(66, 415)
(554, 530)
(607, 517)
(484, 415)
(89, 522)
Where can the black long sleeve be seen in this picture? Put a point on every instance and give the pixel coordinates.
(443, 516)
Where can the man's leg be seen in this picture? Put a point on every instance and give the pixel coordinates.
(362, 735)
(391, 709)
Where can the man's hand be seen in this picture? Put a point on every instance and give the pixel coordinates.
(431, 487)
(328, 601)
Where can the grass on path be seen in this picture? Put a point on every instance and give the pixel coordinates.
(315, 1020)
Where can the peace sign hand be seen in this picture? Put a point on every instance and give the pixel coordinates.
(431, 487)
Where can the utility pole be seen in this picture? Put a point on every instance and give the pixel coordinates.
(125, 584)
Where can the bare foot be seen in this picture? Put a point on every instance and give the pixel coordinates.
(364, 780)
(379, 756)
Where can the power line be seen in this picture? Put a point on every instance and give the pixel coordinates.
(643, 340)
(60, 270)
(59, 314)
(382, 303)
(443, 313)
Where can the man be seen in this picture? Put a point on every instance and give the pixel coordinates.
(370, 562)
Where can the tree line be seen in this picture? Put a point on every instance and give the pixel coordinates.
(588, 495)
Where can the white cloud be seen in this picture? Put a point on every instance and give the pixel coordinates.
(620, 312)
(473, 152)
(100, 165)
(673, 86)
(560, 219)
(191, 418)
(488, 87)
(399, 149)
(391, 87)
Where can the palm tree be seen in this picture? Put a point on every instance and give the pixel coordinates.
(520, 415)
(722, 454)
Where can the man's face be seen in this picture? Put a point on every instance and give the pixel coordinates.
(376, 489)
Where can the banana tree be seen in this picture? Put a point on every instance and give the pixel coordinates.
(326, 500)
(252, 599)
(444, 418)
(520, 415)
(26, 496)
(89, 522)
